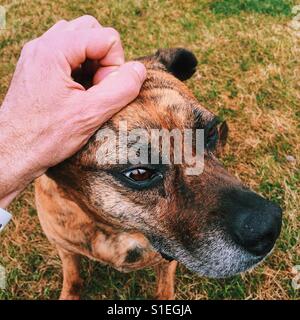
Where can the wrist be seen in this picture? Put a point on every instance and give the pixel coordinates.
(17, 167)
(7, 199)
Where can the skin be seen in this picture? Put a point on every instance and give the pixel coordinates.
(46, 116)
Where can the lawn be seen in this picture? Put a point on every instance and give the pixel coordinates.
(248, 74)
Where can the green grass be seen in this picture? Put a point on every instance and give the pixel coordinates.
(248, 74)
(270, 7)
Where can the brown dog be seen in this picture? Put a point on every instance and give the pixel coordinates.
(131, 216)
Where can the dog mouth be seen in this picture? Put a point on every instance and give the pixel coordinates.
(216, 257)
(218, 267)
(166, 256)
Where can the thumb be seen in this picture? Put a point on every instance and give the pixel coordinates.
(116, 90)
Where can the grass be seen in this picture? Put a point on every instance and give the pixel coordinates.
(270, 7)
(248, 74)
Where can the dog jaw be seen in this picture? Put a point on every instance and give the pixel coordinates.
(217, 256)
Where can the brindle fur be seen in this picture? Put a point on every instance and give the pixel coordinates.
(86, 211)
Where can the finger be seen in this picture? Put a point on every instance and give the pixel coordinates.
(114, 92)
(103, 72)
(83, 22)
(102, 44)
(60, 25)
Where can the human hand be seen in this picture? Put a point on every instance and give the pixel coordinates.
(46, 116)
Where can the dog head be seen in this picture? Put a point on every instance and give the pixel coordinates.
(210, 222)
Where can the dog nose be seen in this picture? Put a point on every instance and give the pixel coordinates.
(256, 225)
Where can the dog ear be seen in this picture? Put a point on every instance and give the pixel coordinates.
(180, 62)
(223, 135)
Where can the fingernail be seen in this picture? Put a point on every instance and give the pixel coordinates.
(140, 70)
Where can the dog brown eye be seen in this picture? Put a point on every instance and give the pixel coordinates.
(139, 174)
(141, 178)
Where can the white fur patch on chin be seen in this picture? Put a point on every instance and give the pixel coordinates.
(217, 256)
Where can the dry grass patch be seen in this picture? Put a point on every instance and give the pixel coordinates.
(248, 74)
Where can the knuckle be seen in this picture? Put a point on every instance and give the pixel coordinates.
(41, 49)
(113, 33)
(59, 24)
(62, 21)
(90, 18)
(42, 44)
(28, 46)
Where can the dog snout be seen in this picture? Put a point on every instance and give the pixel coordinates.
(254, 223)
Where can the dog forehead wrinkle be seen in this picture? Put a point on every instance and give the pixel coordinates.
(168, 96)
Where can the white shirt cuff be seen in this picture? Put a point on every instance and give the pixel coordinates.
(4, 218)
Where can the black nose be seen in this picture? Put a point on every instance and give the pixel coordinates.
(254, 223)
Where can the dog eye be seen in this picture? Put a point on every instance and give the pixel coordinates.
(212, 137)
(139, 174)
(142, 178)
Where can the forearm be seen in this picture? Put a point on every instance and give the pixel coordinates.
(16, 167)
